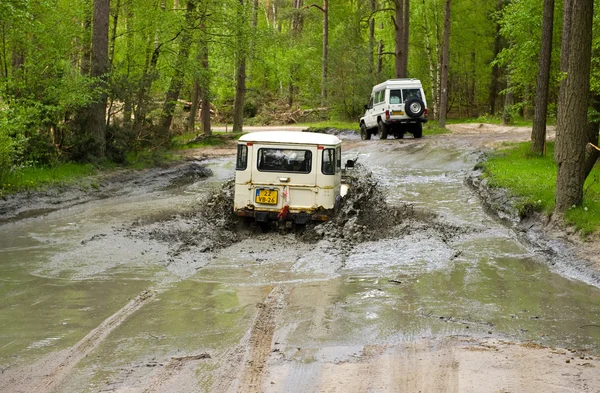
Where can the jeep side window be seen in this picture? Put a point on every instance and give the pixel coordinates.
(329, 162)
(370, 105)
(241, 162)
(381, 96)
(395, 96)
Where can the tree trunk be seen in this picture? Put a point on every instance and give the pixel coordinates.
(240, 87)
(495, 68)
(432, 59)
(572, 111)
(128, 99)
(372, 39)
(564, 55)
(399, 71)
(405, 36)
(445, 65)
(96, 126)
(86, 55)
(325, 50)
(177, 80)
(508, 103)
(538, 133)
(205, 89)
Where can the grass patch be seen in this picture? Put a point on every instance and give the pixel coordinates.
(338, 124)
(182, 142)
(30, 178)
(533, 180)
(431, 128)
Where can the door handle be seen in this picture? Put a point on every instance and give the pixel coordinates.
(284, 179)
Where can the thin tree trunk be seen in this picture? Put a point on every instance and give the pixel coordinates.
(432, 57)
(240, 89)
(445, 65)
(177, 79)
(538, 133)
(372, 39)
(398, 21)
(325, 52)
(508, 103)
(86, 55)
(573, 137)
(97, 111)
(495, 68)
(205, 89)
(128, 99)
(113, 35)
(405, 36)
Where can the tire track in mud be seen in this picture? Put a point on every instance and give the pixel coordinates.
(46, 374)
(261, 338)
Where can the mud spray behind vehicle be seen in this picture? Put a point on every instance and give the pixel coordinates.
(294, 177)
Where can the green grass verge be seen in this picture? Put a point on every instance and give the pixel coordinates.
(533, 179)
(24, 179)
(338, 124)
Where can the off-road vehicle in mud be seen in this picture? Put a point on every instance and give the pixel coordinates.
(396, 106)
(288, 176)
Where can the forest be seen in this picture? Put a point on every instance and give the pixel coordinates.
(91, 80)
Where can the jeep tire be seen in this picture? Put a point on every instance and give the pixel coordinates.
(383, 129)
(414, 108)
(417, 130)
(365, 134)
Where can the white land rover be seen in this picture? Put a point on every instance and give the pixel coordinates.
(397, 106)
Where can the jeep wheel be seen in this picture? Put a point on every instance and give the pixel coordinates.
(417, 130)
(365, 135)
(383, 130)
(414, 107)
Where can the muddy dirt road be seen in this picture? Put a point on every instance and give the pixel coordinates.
(147, 285)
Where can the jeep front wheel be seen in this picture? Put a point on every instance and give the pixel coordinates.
(365, 135)
(383, 130)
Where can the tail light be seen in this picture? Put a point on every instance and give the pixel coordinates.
(425, 113)
(387, 115)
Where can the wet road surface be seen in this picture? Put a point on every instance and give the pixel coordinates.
(89, 307)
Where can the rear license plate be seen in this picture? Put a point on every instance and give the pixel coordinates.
(267, 197)
(397, 113)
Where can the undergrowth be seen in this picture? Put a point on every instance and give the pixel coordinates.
(532, 179)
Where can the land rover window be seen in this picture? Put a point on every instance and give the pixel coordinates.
(379, 97)
(284, 160)
(329, 162)
(241, 163)
(411, 93)
(395, 96)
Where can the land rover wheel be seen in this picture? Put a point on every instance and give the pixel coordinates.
(383, 130)
(365, 135)
(418, 130)
(414, 107)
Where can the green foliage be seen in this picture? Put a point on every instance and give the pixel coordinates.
(532, 179)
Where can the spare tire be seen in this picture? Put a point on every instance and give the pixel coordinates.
(414, 107)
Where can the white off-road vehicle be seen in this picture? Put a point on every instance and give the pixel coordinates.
(397, 106)
(295, 177)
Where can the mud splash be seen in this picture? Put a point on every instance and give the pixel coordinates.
(364, 216)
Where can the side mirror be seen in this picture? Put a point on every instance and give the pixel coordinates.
(350, 164)
(366, 107)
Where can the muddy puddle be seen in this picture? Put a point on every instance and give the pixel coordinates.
(163, 290)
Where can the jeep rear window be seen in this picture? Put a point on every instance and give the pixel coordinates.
(411, 93)
(399, 96)
(284, 160)
(329, 162)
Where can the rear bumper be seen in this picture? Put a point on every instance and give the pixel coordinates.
(297, 218)
(393, 121)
